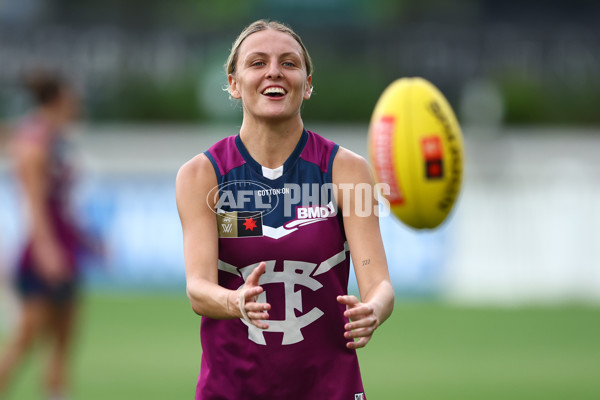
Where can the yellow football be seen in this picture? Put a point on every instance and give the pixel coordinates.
(416, 149)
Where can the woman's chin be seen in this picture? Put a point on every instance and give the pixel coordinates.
(278, 115)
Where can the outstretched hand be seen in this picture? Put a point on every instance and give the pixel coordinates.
(245, 298)
(363, 323)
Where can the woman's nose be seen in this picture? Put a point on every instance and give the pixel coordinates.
(274, 72)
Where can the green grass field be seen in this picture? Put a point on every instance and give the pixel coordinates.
(147, 347)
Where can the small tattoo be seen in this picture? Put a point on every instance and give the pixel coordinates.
(366, 262)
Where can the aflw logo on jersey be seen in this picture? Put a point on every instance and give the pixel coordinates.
(238, 224)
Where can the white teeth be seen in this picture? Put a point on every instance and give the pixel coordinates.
(270, 90)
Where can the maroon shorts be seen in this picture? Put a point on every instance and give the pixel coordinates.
(31, 285)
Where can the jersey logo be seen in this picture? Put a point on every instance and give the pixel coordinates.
(315, 211)
(236, 224)
(359, 396)
(226, 225)
(310, 215)
(295, 273)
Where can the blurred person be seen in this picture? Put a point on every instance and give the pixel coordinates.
(8, 306)
(47, 273)
(4, 135)
(302, 342)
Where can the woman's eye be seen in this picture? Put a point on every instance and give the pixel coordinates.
(289, 64)
(258, 64)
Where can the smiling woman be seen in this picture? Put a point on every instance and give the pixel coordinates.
(271, 79)
(270, 284)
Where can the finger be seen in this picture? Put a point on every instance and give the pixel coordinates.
(348, 300)
(250, 293)
(259, 324)
(257, 307)
(358, 344)
(359, 333)
(254, 277)
(261, 315)
(356, 313)
(361, 323)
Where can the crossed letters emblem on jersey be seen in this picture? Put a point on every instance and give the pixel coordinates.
(294, 273)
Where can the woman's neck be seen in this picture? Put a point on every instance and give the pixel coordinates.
(51, 117)
(271, 144)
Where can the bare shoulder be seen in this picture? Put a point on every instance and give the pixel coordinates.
(198, 170)
(28, 151)
(195, 179)
(349, 167)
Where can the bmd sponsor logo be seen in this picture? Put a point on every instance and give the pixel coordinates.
(316, 212)
(310, 214)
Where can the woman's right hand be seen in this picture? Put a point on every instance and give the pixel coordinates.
(243, 301)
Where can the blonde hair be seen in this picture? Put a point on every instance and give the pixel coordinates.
(258, 26)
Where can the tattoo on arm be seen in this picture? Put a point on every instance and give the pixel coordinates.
(366, 262)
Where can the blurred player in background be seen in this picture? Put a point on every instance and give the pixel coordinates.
(47, 274)
(296, 338)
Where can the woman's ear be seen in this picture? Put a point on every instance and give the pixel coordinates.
(233, 90)
(308, 90)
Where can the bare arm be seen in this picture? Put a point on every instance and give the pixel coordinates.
(200, 241)
(32, 161)
(352, 175)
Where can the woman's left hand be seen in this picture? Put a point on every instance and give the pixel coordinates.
(363, 323)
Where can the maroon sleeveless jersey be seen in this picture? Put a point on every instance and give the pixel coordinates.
(59, 176)
(287, 218)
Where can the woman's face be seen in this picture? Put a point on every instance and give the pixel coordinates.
(270, 76)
